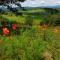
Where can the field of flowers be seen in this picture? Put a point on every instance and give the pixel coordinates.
(29, 37)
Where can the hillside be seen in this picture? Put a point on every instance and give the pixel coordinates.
(30, 36)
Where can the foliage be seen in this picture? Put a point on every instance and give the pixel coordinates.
(51, 20)
(30, 44)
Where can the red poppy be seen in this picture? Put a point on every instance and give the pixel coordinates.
(5, 31)
(14, 26)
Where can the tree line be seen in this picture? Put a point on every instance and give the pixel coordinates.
(7, 1)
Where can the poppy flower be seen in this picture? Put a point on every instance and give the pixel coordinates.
(14, 26)
(5, 31)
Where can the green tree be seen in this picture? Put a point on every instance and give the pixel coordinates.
(6, 1)
(21, 0)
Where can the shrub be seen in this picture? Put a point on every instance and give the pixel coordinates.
(51, 20)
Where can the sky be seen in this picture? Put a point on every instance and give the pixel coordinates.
(37, 3)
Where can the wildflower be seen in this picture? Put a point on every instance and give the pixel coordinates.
(14, 26)
(44, 26)
(55, 30)
(5, 31)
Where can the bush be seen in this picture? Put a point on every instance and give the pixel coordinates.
(51, 20)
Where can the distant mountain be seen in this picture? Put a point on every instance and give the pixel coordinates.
(53, 6)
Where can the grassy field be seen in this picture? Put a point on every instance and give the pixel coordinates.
(35, 42)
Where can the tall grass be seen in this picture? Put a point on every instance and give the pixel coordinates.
(30, 44)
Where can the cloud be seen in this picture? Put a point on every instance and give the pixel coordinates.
(37, 3)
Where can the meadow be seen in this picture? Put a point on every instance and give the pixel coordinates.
(39, 37)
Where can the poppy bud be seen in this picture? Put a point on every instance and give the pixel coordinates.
(14, 26)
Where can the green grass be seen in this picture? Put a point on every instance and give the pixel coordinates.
(30, 44)
(13, 18)
(32, 10)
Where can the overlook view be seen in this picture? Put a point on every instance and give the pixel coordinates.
(29, 29)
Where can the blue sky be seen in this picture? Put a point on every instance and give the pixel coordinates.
(37, 3)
